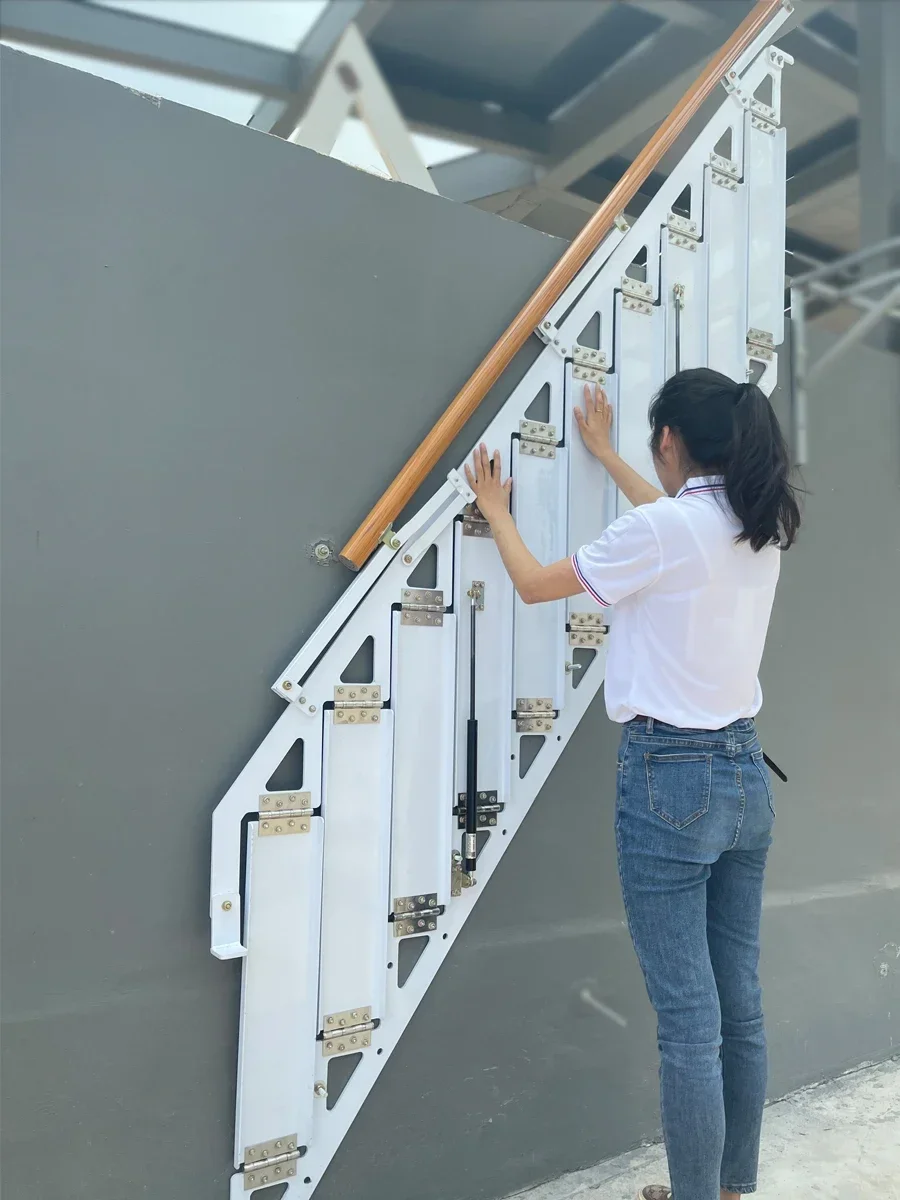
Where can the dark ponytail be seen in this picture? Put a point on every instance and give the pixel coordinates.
(730, 429)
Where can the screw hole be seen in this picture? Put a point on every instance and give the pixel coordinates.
(380, 1050)
(503, 831)
(446, 936)
(307, 1180)
(559, 737)
(512, 758)
(390, 966)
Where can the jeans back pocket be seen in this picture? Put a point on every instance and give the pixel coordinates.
(679, 786)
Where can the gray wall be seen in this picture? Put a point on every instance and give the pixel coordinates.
(217, 348)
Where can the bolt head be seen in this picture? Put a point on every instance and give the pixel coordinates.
(287, 685)
(226, 905)
(407, 558)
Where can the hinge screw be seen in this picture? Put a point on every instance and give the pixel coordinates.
(320, 1090)
(226, 905)
(407, 558)
(286, 684)
(312, 708)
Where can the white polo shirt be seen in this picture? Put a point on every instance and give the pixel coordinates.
(692, 609)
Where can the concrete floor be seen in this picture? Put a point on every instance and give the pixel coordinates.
(837, 1141)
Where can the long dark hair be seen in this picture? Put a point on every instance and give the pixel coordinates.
(730, 429)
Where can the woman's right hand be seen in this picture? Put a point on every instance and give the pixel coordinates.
(595, 423)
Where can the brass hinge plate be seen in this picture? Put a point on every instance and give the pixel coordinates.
(421, 606)
(637, 296)
(589, 365)
(282, 813)
(537, 439)
(487, 808)
(416, 914)
(357, 704)
(474, 524)
(534, 714)
(270, 1162)
(587, 629)
(348, 1031)
(760, 345)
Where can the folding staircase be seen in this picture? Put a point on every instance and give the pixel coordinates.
(327, 889)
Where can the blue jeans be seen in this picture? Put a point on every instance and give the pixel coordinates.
(694, 821)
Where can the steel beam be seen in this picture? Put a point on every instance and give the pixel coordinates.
(281, 117)
(823, 160)
(879, 48)
(78, 27)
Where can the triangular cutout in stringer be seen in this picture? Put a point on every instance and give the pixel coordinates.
(361, 667)
(765, 93)
(425, 573)
(340, 1072)
(539, 408)
(273, 1192)
(582, 657)
(724, 147)
(682, 206)
(637, 268)
(288, 775)
(590, 335)
(529, 747)
(409, 952)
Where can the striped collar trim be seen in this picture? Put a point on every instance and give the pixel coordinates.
(702, 484)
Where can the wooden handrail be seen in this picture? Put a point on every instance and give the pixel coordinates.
(426, 457)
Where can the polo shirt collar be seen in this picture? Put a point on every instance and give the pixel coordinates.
(700, 484)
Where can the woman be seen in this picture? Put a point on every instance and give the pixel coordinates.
(692, 572)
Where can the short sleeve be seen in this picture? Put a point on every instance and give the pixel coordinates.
(624, 560)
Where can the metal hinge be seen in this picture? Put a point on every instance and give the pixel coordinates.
(760, 345)
(587, 629)
(486, 808)
(534, 714)
(589, 365)
(348, 1031)
(725, 172)
(357, 704)
(759, 121)
(683, 232)
(270, 1162)
(283, 813)
(537, 439)
(637, 296)
(550, 336)
(458, 878)
(421, 606)
(415, 914)
(474, 524)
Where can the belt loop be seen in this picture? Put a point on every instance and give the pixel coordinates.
(649, 725)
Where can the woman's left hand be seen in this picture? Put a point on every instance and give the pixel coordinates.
(486, 481)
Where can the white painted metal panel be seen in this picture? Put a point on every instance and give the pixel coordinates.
(726, 234)
(687, 268)
(767, 198)
(356, 805)
(640, 367)
(423, 703)
(539, 508)
(277, 1045)
(592, 494)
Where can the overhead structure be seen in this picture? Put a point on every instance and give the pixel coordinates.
(427, 710)
(556, 101)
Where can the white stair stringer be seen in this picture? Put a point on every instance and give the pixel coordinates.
(304, 883)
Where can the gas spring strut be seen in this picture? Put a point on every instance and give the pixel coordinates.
(470, 836)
